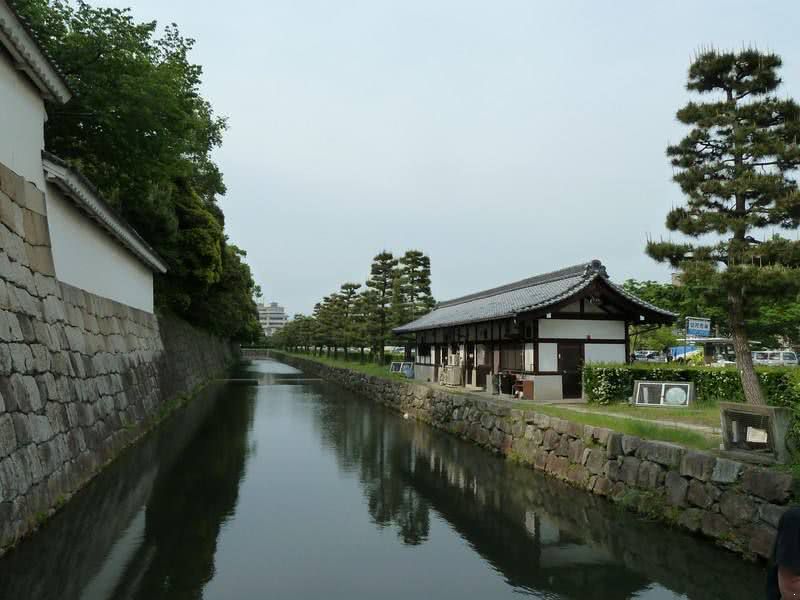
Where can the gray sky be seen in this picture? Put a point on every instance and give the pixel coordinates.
(504, 138)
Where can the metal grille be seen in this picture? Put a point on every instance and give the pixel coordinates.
(747, 431)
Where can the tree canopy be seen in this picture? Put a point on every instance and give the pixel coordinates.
(139, 128)
(736, 168)
(396, 292)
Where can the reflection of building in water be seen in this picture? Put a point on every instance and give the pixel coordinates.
(540, 534)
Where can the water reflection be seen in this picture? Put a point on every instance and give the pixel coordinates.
(545, 538)
(147, 527)
(275, 484)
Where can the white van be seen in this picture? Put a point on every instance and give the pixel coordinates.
(775, 358)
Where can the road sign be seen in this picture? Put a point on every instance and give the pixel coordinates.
(698, 326)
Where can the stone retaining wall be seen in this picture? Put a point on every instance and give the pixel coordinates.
(735, 504)
(80, 376)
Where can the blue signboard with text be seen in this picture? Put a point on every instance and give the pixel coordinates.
(698, 327)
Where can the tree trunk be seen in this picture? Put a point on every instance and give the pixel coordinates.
(744, 359)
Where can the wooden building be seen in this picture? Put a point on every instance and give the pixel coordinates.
(541, 330)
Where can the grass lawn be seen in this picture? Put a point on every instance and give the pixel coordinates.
(706, 414)
(646, 430)
(368, 368)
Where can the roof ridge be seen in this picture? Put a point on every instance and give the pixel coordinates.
(584, 268)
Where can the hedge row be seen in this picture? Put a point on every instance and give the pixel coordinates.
(606, 384)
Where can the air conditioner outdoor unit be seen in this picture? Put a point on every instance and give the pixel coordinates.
(451, 375)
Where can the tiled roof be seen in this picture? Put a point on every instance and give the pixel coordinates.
(18, 37)
(522, 296)
(77, 187)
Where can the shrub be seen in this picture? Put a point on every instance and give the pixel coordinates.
(606, 384)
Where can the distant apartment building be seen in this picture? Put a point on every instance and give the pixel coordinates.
(272, 317)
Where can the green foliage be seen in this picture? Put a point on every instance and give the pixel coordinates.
(606, 384)
(139, 128)
(735, 168)
(397, 291)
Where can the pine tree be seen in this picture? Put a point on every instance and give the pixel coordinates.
(348, 296)
(415, 270)
(735, 169)
(381, 282)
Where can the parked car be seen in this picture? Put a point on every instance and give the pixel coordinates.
(775, 358)
(649, 356)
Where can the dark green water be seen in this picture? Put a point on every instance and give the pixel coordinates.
(285, 487)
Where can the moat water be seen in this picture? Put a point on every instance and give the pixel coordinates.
(274, 485)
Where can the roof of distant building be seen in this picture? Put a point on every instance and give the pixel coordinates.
(527, 295)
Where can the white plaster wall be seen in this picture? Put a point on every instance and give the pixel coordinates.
(581, 329)
(605, 353)
(548, 357)
(22, 117)
(87, 257)
(529, 359)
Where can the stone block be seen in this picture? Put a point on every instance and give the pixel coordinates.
(578, 475)
(11, 215)
(612, 469)
(772, 486)
(715, 525)
(602, 486)
(37, 232)
(11, 184)
(574, 430)
(33, 199)
(40, 259)
(551, 439)
(629, 472)
(650, 476)
(760, 540)
(8, 437)
(576, 448)
(737, 508)
(771, 513)
(557, 466)
(698, 495)
(614, 445)
(663, 453)
(726, 471)
(563, 446)
(630, 444)
(600, 435)
(676, 488)
(596, 461)
(541, 456)
(40, 428)
(698, 465)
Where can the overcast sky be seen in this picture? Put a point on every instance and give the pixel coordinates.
(502, 137)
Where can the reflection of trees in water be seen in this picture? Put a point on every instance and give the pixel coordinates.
(188, 506)
(364, 442)
(590, 548)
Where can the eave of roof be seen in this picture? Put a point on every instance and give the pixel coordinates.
(81, 191)
(576, 279)
(20, 41)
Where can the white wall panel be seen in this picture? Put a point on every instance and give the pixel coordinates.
(605, 353)
(87, 257)
(580, 329)
(548, 357)
(22, 118)
(529, 357)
